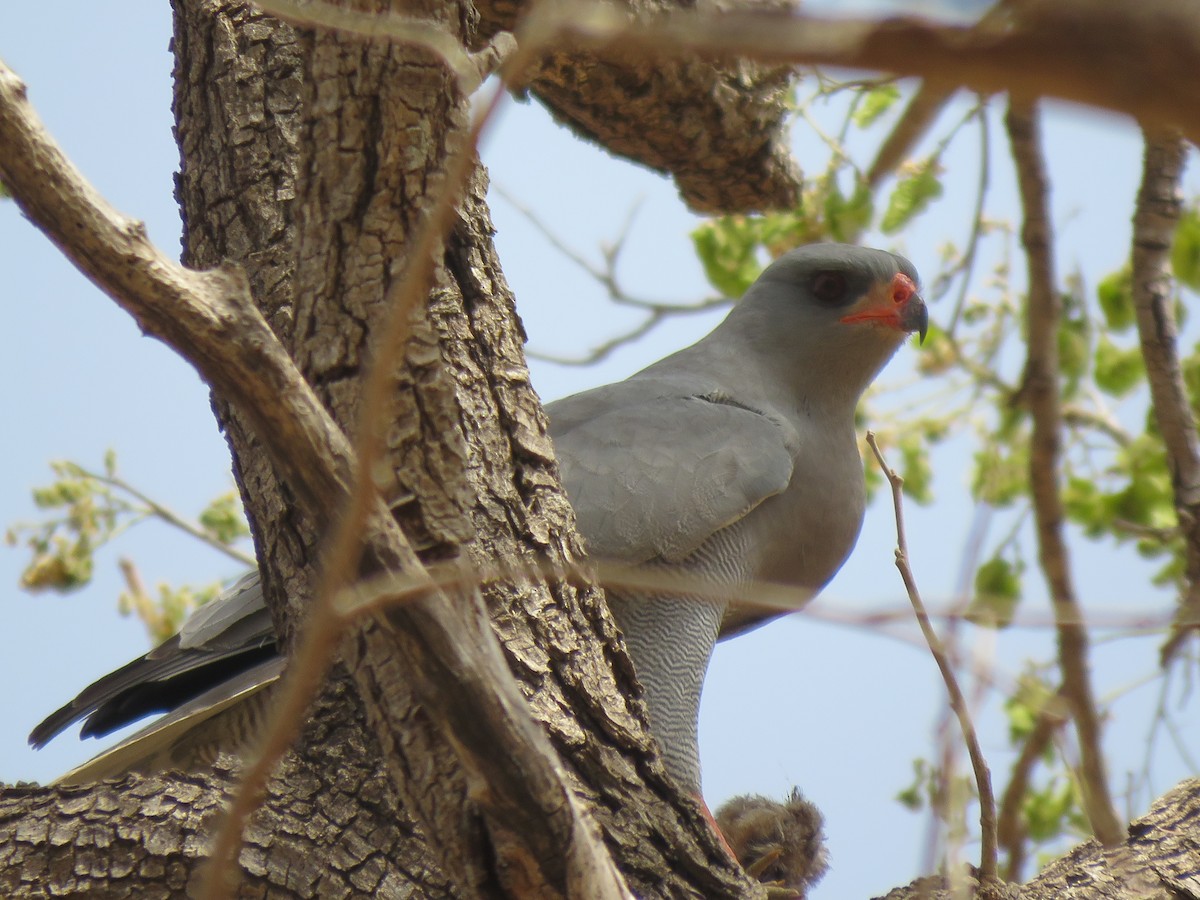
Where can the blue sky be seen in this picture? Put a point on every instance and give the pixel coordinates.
(837, 709)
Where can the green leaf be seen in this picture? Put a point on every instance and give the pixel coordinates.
(1002, 473)
(779, 232)
(911, 196)
(1117, 371)
(1085, 504)
(913, 796)
(1185, 252)
(1025, 705)
(847, 218)
(1191, 377)
(997, 592)
(875, 103)
(728, 250)
(1115, 294)
(1050, 811)
(1148, 498)
(223, 519)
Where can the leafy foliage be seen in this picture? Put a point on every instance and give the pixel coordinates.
(87, 510)
(875, 102)
(997, 592)
(912, 195)
(1116, 485)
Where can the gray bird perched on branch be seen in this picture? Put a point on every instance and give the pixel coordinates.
(734, 460)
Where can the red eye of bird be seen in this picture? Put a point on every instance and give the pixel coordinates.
(829, 287)
(902, 288)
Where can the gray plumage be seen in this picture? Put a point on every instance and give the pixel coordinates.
(734, 460)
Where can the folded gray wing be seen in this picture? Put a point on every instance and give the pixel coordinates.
(232, 713)
(222, 639)
(654, 478)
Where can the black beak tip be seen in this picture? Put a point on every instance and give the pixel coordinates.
(918, 318)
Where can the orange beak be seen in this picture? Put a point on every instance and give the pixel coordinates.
(894, 304)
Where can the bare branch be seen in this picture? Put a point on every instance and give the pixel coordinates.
(1040, 392)
(958, 702)
(966, 266)
(208, 317)
(1010, 825)
(171, 517)
(658, 312)
(1154, 221)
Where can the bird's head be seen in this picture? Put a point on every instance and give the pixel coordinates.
(829, 316)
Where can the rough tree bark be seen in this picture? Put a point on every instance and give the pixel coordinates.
(310, 161)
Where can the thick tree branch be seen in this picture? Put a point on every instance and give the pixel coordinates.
(1154, 221)
(1117, 55)
(1158, 857)
(313, 836)
(1040, 391)
(717, 127)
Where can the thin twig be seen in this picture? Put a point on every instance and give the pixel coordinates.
(966, 266)
(169, 516)
(983, 778)
(1154, 220)
(1040, 392)
(657, 311)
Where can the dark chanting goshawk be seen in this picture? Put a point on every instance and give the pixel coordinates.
(734, 460)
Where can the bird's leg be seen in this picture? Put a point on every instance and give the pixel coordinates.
(712, 821)
(670, 640)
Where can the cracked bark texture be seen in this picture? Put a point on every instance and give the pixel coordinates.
(1159, 859)
(328, 828)
(472, 474)
(717, 126)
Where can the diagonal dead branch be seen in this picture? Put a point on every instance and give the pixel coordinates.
(1154, 219)
(958, 702)
(1040, 392)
